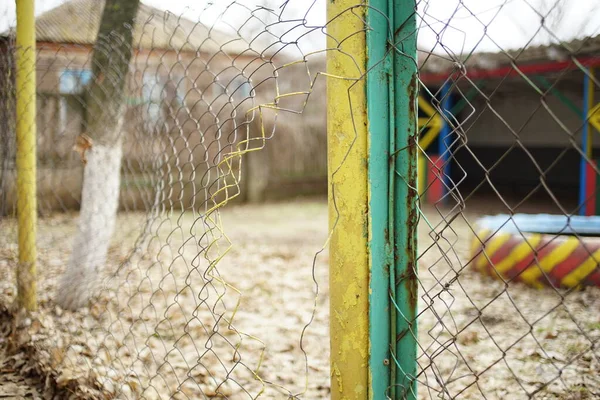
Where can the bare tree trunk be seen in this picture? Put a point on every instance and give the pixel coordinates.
(104, 114)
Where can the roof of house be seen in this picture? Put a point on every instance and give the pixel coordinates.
(78, 21)
(560, 54)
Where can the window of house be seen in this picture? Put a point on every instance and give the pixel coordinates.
(180, 83)
(70, 115)
(62, 114)
(152, 95)
(72, 81)
(241, 87)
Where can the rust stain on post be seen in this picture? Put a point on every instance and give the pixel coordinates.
(411, 278)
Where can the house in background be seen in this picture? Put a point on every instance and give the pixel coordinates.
(192, 98)
(174, 59)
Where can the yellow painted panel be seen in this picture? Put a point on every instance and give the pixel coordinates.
(532, 274)
(433, 123)
(594, 117)
(426, 107)
(518, 254)
(477, 241)
(348, 200)
(421, 174)
(575, 277)
(490, 248)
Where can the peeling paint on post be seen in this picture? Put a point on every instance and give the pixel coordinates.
(372, 154)
(405, 197)
(380, 121)
(348, 202)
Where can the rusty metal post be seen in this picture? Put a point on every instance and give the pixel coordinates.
(404, 282)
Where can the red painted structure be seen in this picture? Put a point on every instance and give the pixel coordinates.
(514, 69)
(435, 181)
(590, 188)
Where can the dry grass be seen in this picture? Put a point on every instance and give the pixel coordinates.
(164, 325)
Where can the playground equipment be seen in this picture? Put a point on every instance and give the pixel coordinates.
(434, 168)
(539, 250)
(588, 203)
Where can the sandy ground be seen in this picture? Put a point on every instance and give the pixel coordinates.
(195, 314)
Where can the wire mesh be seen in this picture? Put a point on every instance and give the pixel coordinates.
(504, 306)
(158, 303)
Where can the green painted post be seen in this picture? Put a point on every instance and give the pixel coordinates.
(392, 164)
(405, 196)
(379, 67)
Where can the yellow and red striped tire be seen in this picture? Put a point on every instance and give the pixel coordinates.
(538, 260)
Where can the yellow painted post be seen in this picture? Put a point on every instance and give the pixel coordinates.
(348, 200)
(421, 173)
(26, 155)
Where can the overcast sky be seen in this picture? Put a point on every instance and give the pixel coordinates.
(460, 25)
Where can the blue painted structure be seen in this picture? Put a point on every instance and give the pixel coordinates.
(584, 144)
(542, 223)
(444, 139)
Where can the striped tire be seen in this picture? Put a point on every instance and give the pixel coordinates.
(537, 260)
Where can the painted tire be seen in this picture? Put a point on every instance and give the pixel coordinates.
(536, 259)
